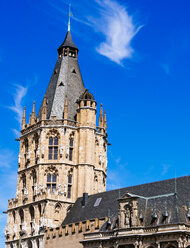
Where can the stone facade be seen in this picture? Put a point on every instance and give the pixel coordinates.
(59, 158)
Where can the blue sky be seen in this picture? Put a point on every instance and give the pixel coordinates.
(134, 57)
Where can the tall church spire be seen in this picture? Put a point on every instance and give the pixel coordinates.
(69, 22)
(65, 80)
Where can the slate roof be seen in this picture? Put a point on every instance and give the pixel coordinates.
(66, 79)
(68, 42)
(153, 197)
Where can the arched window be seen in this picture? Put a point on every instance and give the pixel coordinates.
(34, 177)
(13, 216)
(69, 186)
(24, 181)
(51, 181)
(25, 151)
(21, 213)
(53, 148)
(31, 209)
(71, 142)
(36, 139)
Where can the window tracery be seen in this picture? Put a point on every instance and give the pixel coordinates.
(53, 148)
(71, 143)
(51, 181)
(69, 187)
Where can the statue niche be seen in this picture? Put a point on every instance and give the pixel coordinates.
(128, 211)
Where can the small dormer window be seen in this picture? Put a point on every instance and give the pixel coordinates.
(73, 71)
(154, 219)
(165, 217)
(61, 84)
(141, 219)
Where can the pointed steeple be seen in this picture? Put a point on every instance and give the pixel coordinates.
(68, 46)
(65, 80)
(24, 118)
(67, 43)
(101, 120)
(44, 109)
(33, 117)
(69, 22)
(30, 119)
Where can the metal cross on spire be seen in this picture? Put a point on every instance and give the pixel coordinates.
(70, 14)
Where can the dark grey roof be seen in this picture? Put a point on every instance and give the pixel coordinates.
(68, 42)
(65, 80)
(153, 197)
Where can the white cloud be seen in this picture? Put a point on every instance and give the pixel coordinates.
(165, 168)
(166, 68)
(118, 29)
(7, 157)
(20, 93)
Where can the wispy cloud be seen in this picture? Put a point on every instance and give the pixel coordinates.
(118, 29)
(17, 108)
(108, 18)
(165, 168)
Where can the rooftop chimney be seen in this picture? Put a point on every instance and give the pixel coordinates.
(84, 199)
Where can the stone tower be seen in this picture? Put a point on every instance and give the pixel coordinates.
(63, 154)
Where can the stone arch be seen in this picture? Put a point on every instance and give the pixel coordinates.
(54, 133)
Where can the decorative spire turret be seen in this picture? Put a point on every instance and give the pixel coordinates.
(33, 117)
(101, 119)
(105, 120)
(24, 118)
(44, 109)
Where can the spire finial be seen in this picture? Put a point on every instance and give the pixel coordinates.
(69, 22)
(33, 116)
(24, 118)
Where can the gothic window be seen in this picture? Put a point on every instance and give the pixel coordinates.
(13, 216)
(21, 213)
(51, 181)
(69, 186)
(24, 181)
(36, 147)
(53, 148)
(71, 149)
(34, 177)
(31, 209)
(25, 151)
